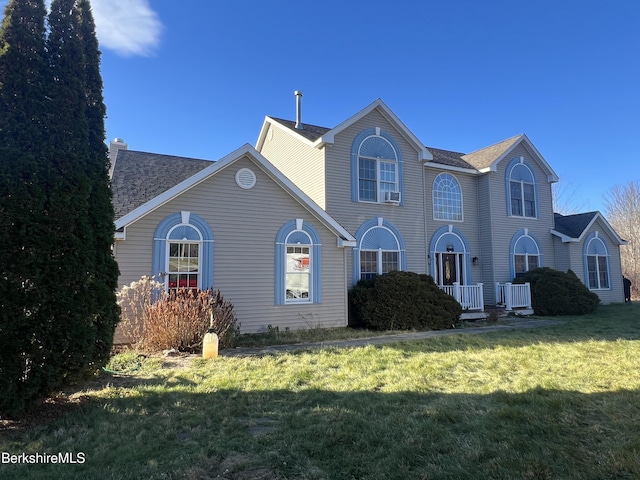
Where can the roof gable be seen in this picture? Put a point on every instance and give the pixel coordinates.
(211, 168)
(317, 136)
(488, 158)
(573, 228)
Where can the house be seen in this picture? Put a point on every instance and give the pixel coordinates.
(286, 228)
(238, 225)
(473, 221)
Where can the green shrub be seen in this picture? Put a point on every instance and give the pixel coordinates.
(402, 301)
(557, 293)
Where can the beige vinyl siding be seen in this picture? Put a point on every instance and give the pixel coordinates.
(486, 210)
(503, 227)
(298, 161)
(563, 255)
(468, 227)
(244, 225)
(615, 293)
(408, 219)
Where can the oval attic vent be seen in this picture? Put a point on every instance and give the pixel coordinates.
(245, 178)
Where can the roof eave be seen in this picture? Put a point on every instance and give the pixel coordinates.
(269, 121)
(552, 177)
(329, 137)
(452, 168)
(227, 160)
(563, 237)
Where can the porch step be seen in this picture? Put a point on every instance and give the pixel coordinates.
(473, 316)
(502, 312)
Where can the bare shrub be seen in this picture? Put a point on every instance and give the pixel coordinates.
(157, 320)
(134, 301)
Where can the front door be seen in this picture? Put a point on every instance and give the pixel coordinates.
(449, 268)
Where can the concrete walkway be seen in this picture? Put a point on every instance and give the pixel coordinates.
(514, 324)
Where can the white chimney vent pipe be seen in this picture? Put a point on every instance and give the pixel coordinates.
(298, 95)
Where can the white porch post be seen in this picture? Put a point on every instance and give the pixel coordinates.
(456, 292)
(507, 296)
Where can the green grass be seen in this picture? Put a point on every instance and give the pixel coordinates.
(556, 402)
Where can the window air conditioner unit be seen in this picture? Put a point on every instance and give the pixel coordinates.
(391, 197)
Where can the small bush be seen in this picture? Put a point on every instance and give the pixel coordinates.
(177, 320)
(402, 301)
(557, 293)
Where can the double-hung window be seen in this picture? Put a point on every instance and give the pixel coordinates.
(298, 257)
(378, 262)
(521, 190)
(182, 255)
(183, 266)
(298, 273)
(597, 262)
(377, 176)
(380, 249)
(525, 253)
(376, 168)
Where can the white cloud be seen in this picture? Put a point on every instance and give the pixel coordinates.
(128, 27)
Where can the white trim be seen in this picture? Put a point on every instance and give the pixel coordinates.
(607, 226)
(246, 151)
(440, 166)
(269, 121)
(329, 137)
(552, 177)
(167, 256)
(309, 273)
(378, 163)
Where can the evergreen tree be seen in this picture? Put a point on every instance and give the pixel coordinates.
(101, 208)
(72, 254)
(57, 272)
(23, 118)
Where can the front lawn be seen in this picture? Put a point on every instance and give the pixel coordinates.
(560, 401)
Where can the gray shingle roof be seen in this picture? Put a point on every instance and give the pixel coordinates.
(446, 157)
(310, 132)
(139, 177)
(484, 157)
(477, 160)
(573, 225)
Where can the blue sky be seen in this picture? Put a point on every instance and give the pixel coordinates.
(197, 78)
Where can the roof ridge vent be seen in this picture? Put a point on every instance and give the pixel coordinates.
(298, 95)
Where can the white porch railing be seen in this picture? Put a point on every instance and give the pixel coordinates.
(469, 296)
(513, 295)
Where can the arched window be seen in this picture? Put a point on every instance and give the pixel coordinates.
(298, 263)
(447, 198)
(522, 190)
(183, 267)
(596, 262)
(525, 253)
(376, 168)
(379, 250)
(183, 252)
